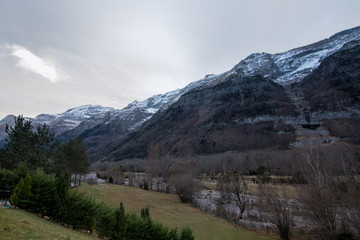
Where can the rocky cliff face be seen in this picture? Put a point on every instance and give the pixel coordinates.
(237, 114)
(291, 99)
(334, 85)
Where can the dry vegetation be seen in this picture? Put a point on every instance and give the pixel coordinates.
(285, 190)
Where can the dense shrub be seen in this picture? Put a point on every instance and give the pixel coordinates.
(22, 192)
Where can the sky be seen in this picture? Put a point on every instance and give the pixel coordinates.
(60, 54)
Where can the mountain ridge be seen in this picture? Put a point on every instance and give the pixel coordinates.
(98, 124)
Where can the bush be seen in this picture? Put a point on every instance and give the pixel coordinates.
(185, 186)
(5, 176)
(186, 234)
(22, 192)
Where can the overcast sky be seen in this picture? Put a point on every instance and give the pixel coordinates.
(55, 55)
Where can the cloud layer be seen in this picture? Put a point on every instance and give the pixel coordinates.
(120, 51)
(29, 61)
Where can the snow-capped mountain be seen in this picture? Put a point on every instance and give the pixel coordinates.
(60, 123)
(287, 67)
(283, 68)
(72, 117)
(100, 126)
(139, 112)
(262, 102)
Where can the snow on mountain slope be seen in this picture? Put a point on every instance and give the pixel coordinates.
(152, 104)
(62, 122)
(72, 117)
(138, 112)
(283, 68)
(295, 64)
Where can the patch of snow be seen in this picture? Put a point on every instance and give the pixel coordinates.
(152, 110)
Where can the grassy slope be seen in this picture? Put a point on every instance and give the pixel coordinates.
(167, 209)
(18, 224)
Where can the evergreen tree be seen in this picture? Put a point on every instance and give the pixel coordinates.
(17, 174)
(105, 222)
(145, 213)
(18, 144)
(22, 192)
(74, 157)
(23, 145)
(43, 200)
(14, 198)
(111, 180)
(173, 235)
(119, 223)
(61, 194)
(186, 234)
(45, 146)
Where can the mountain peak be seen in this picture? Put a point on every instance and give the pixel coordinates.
(293, 65)
(103, 125)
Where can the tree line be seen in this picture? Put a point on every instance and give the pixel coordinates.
(36, 148)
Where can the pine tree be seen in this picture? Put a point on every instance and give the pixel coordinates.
(23, 145)
(18, 144)
(22, 192)
(44, 146)
(75, 157)
(120, 223)
(186, 234)
(14, 198)
(61, 195)
(43, 200)
(145, 213)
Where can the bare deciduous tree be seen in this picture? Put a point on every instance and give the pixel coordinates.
(184, 185)
(277, 210)
(319, 201)
(232, 186)
(329, 199)
(116, 173)
(158, 164)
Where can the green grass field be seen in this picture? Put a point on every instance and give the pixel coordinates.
(167, 209)
(18, 224)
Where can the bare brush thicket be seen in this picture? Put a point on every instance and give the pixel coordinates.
(185, 186)
(331, 198)
(161, 173)
(232, 186)
(116, 174)
(157, 166)
(275, 208)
